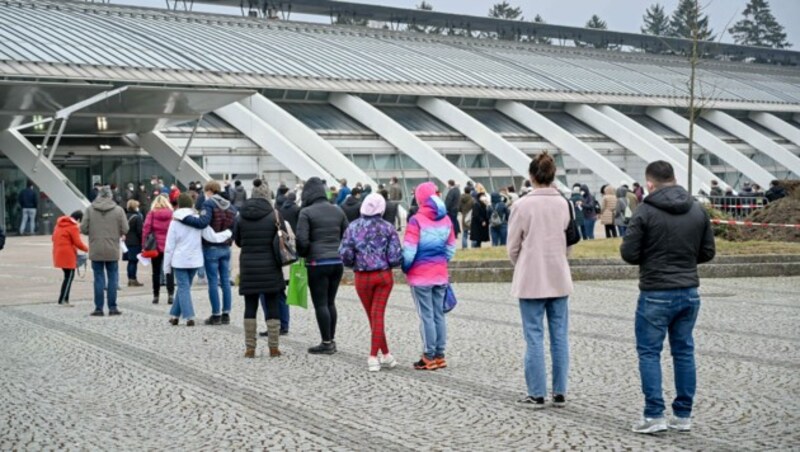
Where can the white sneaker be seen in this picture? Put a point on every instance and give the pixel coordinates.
(681, 424)
(373, 364)
(651, 425)
(388, 361)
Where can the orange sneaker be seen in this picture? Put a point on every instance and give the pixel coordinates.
(440, 362)
(426, 364)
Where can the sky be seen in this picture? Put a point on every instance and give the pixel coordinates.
(621, 15)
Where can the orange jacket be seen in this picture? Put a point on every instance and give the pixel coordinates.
(66, 243)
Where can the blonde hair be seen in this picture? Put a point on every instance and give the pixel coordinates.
(161, 202)
(133, 204)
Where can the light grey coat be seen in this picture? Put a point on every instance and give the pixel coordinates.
(105, 224)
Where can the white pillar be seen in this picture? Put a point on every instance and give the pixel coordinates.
(46, 176)
(307, 140)
(399, 137)
(169, 156)
(712, 144)
(636, 138)
(754, 138)
(273, 142)
(777, 125)
(567, 142)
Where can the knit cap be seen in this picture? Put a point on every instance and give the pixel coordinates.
(373, 204)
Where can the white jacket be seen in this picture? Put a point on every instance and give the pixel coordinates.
(184, 247)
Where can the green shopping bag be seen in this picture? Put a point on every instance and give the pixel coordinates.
(297, 293)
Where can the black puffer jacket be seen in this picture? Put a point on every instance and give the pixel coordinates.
(667, 237)
(321, 224)
(134, 235)
(290, 212)
(254, 233)
(352, 208)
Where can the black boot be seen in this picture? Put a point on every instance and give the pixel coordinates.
(214, 320)
(325, 348)
(226, 319)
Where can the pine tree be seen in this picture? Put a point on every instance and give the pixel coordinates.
(504, 10)
(759, 27)
(351, 20)
(539, 20)
(656, 21)
(598, 24)
(684, 18)
(425, 6)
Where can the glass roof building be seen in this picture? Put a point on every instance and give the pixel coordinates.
(96, 91)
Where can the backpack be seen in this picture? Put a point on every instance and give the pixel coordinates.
(468, 219)
(222, 220)
(495, 220)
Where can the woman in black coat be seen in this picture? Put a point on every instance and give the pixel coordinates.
(261, 275)
(479, 227)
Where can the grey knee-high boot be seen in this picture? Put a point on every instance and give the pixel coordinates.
(273, 335)
(250, 329)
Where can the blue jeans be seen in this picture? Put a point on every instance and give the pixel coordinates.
(465, 239)
(182, 305)
(533, 310)
(133, 261)
(100, 269)
(218, 271)
(658, 313)
(284, 308)
(588, 228)
(28, 219)
(499, 234)
(432, 326)
(622, 230)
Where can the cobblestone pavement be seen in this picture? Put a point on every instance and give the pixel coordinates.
(71, 382)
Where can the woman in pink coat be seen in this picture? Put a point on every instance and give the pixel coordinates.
(537, 247)
(157, 222)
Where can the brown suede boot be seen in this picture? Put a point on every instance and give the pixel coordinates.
(273, 337)
(250, 329)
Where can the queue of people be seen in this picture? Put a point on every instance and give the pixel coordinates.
(330, 237)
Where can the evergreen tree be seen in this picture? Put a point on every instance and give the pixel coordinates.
(656, 21)
(539, 20)
(425, 6)
(759, 27)
(598, 24)
(504, 10)
(686, 17)
(351, 20)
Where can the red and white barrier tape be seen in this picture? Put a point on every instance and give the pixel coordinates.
(750, 223)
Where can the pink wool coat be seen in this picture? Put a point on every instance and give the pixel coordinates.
(537, 245)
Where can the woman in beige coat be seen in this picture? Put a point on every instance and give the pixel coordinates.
(607, 211)
(537, 246)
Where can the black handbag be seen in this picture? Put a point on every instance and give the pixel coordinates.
(572, 232)
(284, 244)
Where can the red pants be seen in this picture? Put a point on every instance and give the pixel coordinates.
(374, 288)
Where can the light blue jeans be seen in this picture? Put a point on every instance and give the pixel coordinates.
(533, 311)
(218, 271)
(658, 313)
(28, 218)
(100, 269)
(182, 305)
(432, 326)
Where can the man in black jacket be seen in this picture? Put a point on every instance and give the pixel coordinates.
(352, 205)
(451, 203)
(668, 235)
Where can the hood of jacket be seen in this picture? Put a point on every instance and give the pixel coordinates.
(255, 209)
(180, 214)
(313, 191)
(430, 205)
(622, 192)
(496, 198)
(674, 200)
(352, 201)
(103, 204)
(66, 221)
(221, 202)
(587, 196)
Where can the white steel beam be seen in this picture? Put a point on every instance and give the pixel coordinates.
(171, 157)
(754, 138)
(302, 136)
(777, 125)
(399, 137)
(273, 142)
(712, 144)
(619, 128)
(567, 142)
(45, 175)
(483, 136)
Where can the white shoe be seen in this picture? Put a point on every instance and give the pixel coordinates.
(681, 424)
(373, 364)
(388, 361)
(651, 425)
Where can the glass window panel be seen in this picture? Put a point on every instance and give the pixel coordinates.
(455, 159)
(408, 162)
(363, 161)
(475, 161)
(386, 162)
(495, 162)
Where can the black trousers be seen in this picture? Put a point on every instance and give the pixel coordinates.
(323, 283)
(251, 302)
(611, 231)
(157, 263)
(66, 285)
